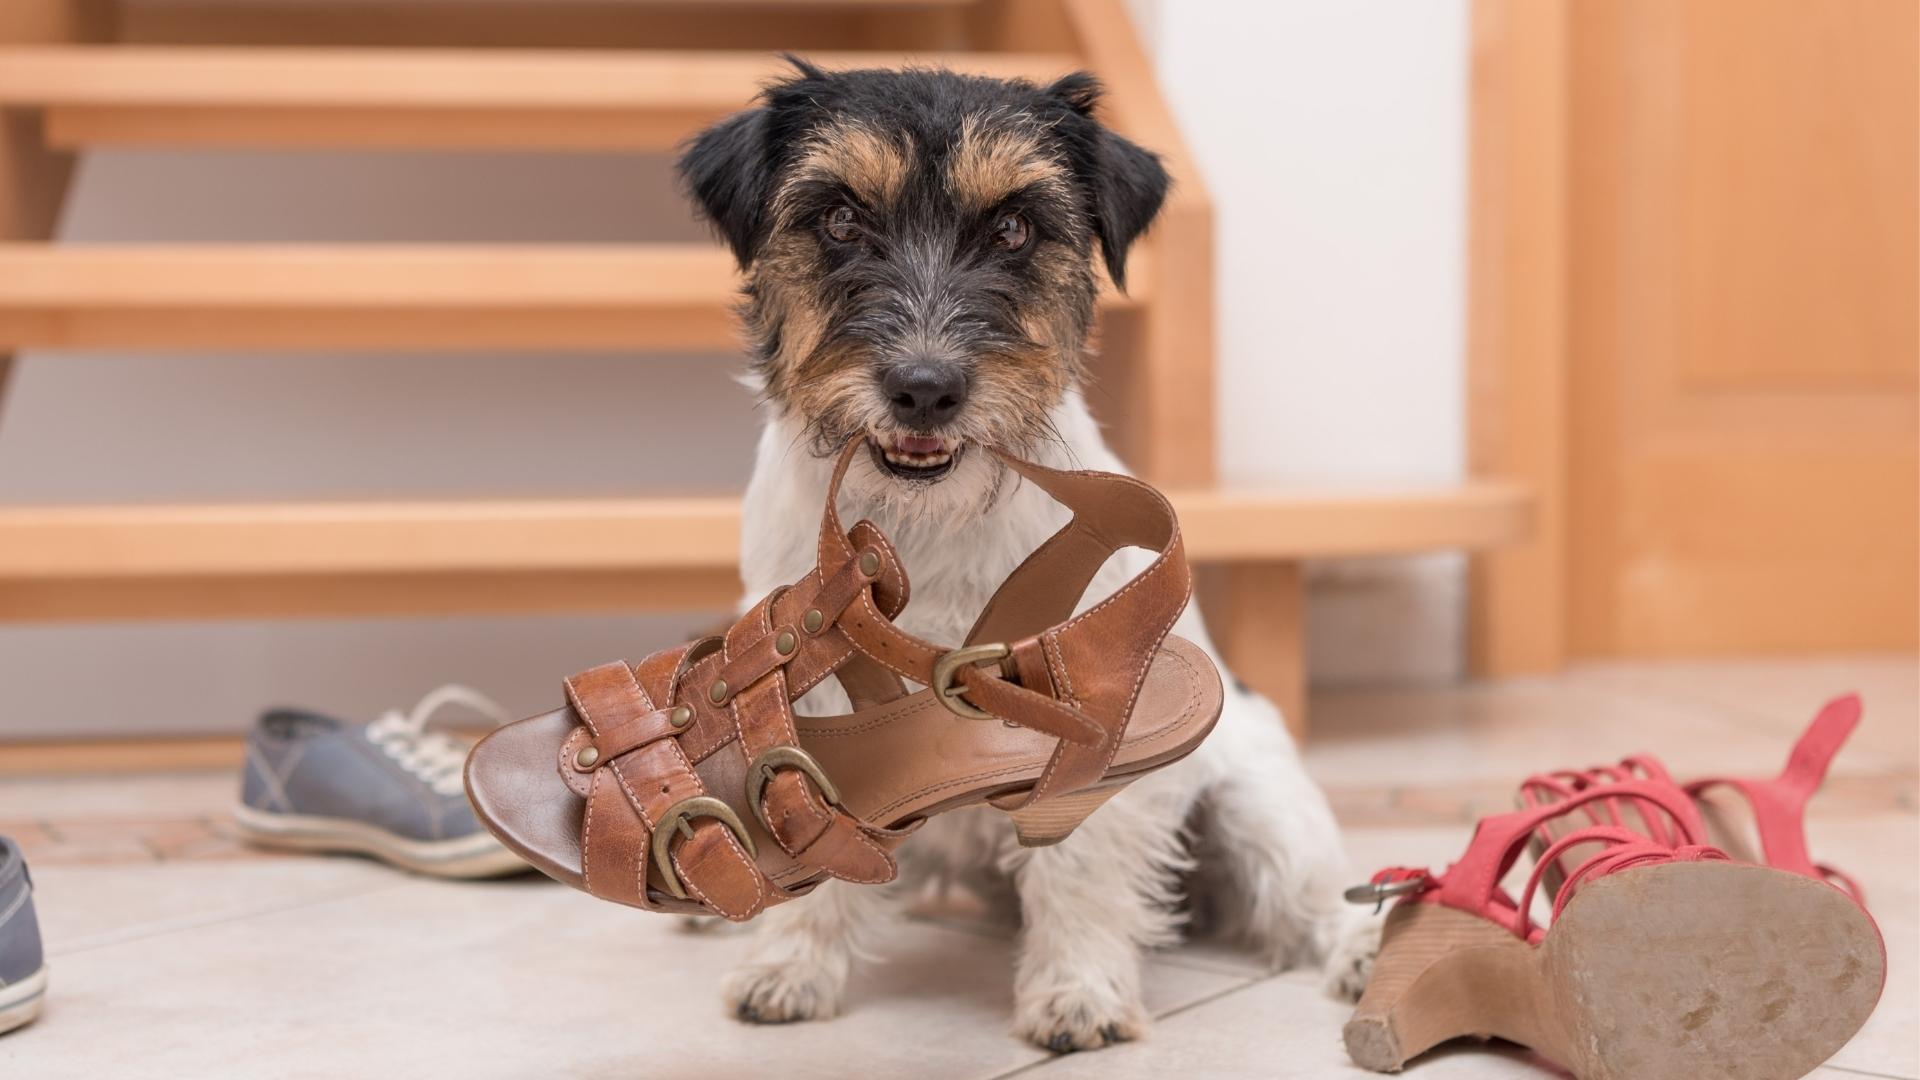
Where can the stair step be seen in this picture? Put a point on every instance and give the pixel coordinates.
(413, 98)
(659, 296)
(338, 558)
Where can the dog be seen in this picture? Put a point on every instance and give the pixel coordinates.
(918, 249)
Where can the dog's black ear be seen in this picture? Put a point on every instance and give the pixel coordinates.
(728, 169)
(1128, 188)
(1127, 183)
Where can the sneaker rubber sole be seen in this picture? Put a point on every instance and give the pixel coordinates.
(20, 1001)
(476, 856)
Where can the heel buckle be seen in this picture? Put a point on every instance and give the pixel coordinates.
(947, 668)
(1378, 893)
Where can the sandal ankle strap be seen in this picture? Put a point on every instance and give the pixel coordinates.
(1780, 805)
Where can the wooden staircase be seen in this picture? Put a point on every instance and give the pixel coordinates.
(82, 74)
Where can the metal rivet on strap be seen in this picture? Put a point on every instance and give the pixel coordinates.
(785, 643)
(587, 758)
(869, 563)
(681, 716)
(813, 620)
(718, 693)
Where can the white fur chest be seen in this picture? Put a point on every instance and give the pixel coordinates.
(958, 544)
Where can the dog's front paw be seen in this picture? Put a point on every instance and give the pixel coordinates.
(1064, 1021)
(783, 993)
(1356, 944)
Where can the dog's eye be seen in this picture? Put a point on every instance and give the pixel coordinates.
(841, 224)
(1011, 232)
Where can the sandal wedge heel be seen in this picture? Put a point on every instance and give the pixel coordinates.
(1663, 960)
(687, 783)
(1051, 822)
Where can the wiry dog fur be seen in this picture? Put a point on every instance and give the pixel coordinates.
(876, 215)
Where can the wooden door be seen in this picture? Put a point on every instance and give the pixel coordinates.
(1740, 278)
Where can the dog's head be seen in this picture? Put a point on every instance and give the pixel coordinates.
(918, 248)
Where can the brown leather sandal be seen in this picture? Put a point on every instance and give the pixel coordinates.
(686, 783)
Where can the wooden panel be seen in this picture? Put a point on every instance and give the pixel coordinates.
(1516, 323)
(53, 757)
(277, 276)
(1743, 445)
(336, 559)
(161, 541)
(525, 24)
(301, 127)
(1256, 611)
(1801, 172)
(399, 97)
(355, 594)
(666, 296)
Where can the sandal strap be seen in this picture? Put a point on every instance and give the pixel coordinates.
(1473, 883)
(788, 791)
(1780, 805)
(652, 827)
(1545, 789)
(1072, 677)
(648, 787)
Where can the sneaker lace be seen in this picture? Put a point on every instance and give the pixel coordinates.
(433, 756)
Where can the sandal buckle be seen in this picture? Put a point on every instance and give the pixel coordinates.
(760, 774)
(1378, 893)
(676, 821)
(948, 667)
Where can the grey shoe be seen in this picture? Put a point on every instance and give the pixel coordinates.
(23, 967)
(390, 789)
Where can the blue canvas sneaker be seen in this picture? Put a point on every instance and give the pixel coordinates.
(390, 789)
(23, 965)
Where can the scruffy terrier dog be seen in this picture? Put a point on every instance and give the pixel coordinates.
(919, 256)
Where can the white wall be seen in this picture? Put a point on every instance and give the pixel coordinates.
(1331, 133)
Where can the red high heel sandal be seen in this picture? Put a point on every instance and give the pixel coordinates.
(1663, 957)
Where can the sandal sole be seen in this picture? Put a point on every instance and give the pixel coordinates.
(1674, 972)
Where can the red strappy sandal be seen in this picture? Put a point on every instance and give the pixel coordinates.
(686, 782)
(1663, 958)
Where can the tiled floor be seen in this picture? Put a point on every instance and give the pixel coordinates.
(178, 953)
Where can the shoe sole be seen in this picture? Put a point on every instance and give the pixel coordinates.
(20, 1002)
(1670, 972)
(476, 856)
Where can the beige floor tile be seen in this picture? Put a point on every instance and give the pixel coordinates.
(86, 907)
(1881, 853)
(1500, 733)
(1279, 1029)
(154, 796)
(510, 979)
(1782, 695)
(211, 965)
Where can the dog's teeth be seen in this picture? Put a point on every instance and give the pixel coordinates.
(938, 454)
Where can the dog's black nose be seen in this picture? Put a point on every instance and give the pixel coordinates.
(925, 395)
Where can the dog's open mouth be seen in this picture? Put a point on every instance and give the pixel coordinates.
(915, 457)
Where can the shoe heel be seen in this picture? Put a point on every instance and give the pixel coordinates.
(1440, 974)
(1055, 819)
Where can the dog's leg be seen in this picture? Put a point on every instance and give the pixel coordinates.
(1356, 944)
(1090, 905)
(1271, 840)
(796, 967)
